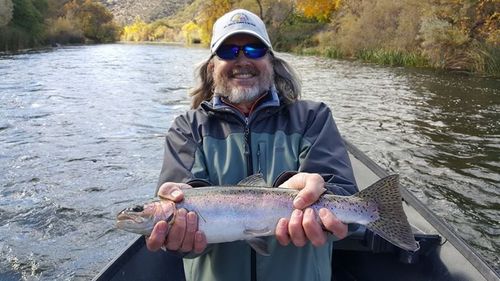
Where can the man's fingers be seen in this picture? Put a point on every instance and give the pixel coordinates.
(200, 242)
(282, 232)
(172, 191)
(297, 181)
(191, 225)
(312, 228)
(311, 187)
(177, 231)
(157, 238)
(295, 229)
(314, 186)
(332, 223)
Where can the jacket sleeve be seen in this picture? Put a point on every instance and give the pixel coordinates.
(323, 151)
(183, 160)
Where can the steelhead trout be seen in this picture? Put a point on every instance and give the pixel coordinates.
(251, 210)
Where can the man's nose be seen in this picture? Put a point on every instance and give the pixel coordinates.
(242, 58)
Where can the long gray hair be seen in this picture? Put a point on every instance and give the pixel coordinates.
(285, 79)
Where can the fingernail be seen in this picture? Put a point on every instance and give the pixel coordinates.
(323, 213)
(297, 213)
(198, 236)
(299, 203)
(162, 229)
(182, 212)
(175, 193)
(191, 218)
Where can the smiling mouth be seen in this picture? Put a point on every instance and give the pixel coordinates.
(243, 74)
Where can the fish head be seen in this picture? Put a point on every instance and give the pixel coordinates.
(141, 219)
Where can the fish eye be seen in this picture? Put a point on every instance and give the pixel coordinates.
(138, 208)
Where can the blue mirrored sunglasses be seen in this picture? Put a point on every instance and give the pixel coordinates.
(251, 51)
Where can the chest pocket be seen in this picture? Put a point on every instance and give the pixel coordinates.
(274, 154)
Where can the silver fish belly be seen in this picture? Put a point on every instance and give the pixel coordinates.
(250, 210)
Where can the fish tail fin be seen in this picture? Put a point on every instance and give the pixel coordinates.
(392, 224)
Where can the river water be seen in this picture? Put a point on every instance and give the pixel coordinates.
(81, 138)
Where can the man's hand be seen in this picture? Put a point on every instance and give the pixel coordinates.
(183, 235)
(303, 224)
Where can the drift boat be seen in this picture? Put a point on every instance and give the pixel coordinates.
(362, 256)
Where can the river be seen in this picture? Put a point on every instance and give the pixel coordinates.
(81, 138)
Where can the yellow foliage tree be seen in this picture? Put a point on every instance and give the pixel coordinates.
(318, 9)
(137, 31)
(160, 33)
(190, 30)
(212, 10)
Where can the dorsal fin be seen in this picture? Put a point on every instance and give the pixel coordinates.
(253, 180)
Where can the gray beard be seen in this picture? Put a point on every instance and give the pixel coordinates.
(236, 95)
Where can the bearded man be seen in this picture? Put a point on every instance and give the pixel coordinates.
(247, 118)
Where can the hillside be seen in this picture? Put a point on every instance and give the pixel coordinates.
(125, 11)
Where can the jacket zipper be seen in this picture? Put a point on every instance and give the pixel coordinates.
(248, 156)
(248, 153)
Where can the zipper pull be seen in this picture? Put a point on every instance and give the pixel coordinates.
(247, 137)
(247, 148)
(259, 168)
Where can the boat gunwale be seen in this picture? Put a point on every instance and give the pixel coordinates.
(442, 227)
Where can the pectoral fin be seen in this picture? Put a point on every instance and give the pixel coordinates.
(258, 232)
(259, 245)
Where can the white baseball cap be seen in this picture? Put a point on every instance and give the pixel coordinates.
(238, 21)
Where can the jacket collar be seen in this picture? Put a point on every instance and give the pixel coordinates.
(270, 99)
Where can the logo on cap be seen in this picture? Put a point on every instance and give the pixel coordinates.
(239, 18)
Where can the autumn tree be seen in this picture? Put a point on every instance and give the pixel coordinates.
(190, 31)
(462, 34)
(94, 20)
(318, 9)
(211, 11)
(137, 31)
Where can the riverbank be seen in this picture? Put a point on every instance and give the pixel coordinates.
(390, 58)
(445, 36)
(378, 57)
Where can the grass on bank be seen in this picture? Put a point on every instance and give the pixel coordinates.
(380, 56)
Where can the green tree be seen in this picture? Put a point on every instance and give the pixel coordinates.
(6, 9)
(26, 26)
(28, 17)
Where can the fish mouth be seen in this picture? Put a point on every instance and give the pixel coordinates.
(135, 218)
(135, 223)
